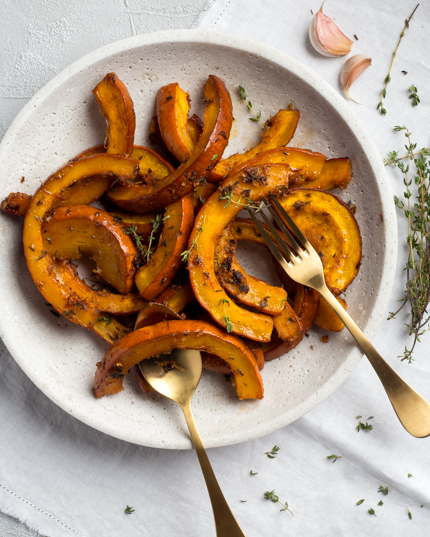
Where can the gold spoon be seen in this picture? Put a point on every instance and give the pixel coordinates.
(176, 376)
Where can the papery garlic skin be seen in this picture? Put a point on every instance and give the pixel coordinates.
(351, 70)
(326, 38)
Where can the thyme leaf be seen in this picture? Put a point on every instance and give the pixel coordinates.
(128, 510)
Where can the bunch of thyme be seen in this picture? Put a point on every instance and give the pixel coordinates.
(417, 293)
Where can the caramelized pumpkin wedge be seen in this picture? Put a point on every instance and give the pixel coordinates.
(306, 303)
(326, 318)
(16, 203)
(162, 338)
(173, 106)
(110, 329)
(63, 295)
(253, 182)
(336, 173)
(155, 313)
(278, 131)
(142, 224)
(331, 228)
(158, 273)
(117, 107)
(245, 288)
(217, 120)
(70, 232)
(177, 296)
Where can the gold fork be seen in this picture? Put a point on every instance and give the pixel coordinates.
(303, 264)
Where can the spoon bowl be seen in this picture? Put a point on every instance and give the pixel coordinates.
(175, 375)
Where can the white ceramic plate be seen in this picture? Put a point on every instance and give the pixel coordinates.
(63, 119)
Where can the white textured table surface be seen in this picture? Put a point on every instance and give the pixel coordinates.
(42, 37)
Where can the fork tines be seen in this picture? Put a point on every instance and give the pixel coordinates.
(282, 219)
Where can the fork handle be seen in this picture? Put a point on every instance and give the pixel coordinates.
(412, 410)
(225, 523)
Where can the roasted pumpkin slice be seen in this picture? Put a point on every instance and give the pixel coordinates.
(336, 173)
(252, 183)
(278, 131)
(326, 318)
(218, 365)
(243, 287)
(155, 313)
(117, 107)
(217, 122)
(162, 338)
(110, 329)
(331, 228)
(173, 106)
(16, 203)
(70, 232)
(288, 325)
(141, 224)
(306, 303)
(177, 296)
(158, 273)
(71, 298)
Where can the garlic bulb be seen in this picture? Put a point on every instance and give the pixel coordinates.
(351, 70)
(326, 38)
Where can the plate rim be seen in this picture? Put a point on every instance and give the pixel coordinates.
(307, 75)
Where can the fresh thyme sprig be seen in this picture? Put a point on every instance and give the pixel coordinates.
(417, 293)
(334, 457)
(132, 230)
(244, 96)
(228, 195)
(414, 95)
(228, 324)
(388, 77)
(274, 498)
(155, 225)
(186, 254)
(272, 454)
(367, 427)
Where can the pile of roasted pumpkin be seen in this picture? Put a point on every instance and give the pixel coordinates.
(165, 214)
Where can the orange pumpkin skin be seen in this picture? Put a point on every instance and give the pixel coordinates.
(173, 106)
(217, 121)
(278, 132)
(59, 285)
(16, 203)
(252, 182)
(331, 228)
(69, 232)
(158, 273)
(246, 289)
(117, 107)
(168, 335)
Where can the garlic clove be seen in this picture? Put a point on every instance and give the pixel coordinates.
(326, 38)
(351, 70)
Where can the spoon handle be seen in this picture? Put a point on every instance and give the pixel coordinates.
(225, 523)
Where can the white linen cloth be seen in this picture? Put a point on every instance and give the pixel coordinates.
(64, 479)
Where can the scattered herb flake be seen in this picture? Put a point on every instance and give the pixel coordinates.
(128, 510)
(360, 502)
(274, 498)
(253, 473)
(334, 457)
(273, 453)
(384, 490)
